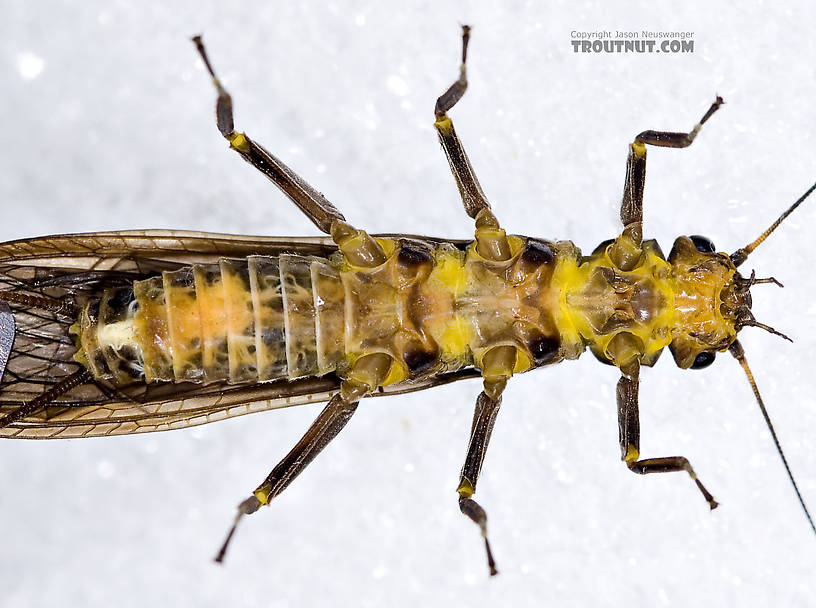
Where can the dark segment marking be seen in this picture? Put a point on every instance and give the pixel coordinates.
(413, 254)
(272, 336)
(419, 361)
(537, 253)
(211, 276)
(544, 349)
(241, 270)
(113, 306)
(130, 356)
(96, 356)
(118, 303)
(100, 362)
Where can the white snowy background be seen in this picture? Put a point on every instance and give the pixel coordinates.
(108, 124)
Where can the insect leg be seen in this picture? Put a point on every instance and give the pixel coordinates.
(313, 204)
(629, 428)
(497, 368)
(366, 375)
(64, 306)
(626, 251)
(491, 239)
(484, 417)
(327, 425)
(67, 384)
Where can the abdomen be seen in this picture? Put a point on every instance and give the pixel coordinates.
(243, 320)
(432, 307)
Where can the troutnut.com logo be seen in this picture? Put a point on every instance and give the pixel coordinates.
(644, 41)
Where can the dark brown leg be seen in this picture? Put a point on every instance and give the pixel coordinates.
(313, 204)
(473, 197)
(629, 427)
(64, 306)
(626, 251)
(67, 384)
(328, 424)
(484, 418)
(491, 240)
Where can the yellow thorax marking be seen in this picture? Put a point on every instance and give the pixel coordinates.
(576, 302)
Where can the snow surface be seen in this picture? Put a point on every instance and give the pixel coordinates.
(108, 124)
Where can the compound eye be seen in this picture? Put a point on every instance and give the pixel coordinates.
(704, 359)
(703, 244)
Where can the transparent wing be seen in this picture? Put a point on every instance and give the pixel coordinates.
(91, 413)
(146, 251)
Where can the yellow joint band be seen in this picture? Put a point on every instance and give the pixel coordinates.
(632, 454)
(465, 489)
(262, 494)
(444, 125)
(238, 141)
(639, 149)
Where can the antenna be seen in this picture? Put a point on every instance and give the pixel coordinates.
(740, 255)
(738, 352)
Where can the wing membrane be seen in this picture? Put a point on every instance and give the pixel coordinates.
(138, 250)
(183, 406)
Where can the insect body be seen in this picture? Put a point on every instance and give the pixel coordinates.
(114, 333)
